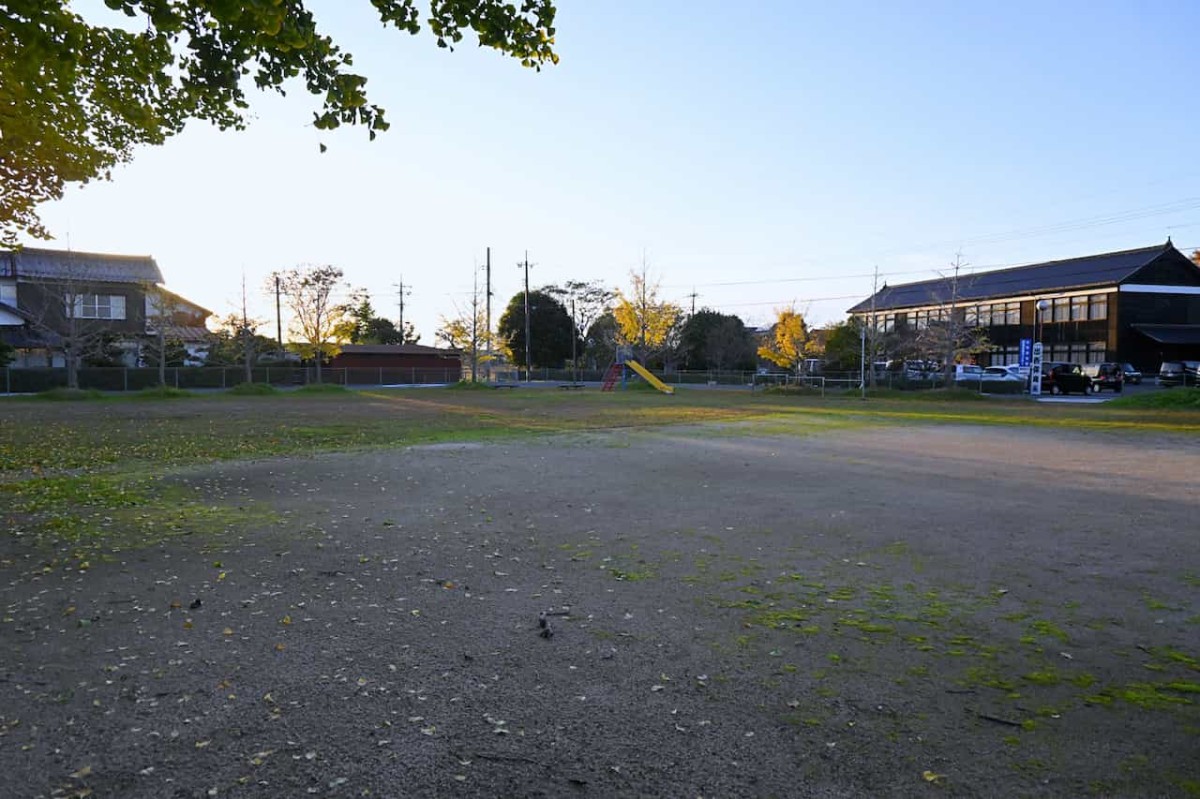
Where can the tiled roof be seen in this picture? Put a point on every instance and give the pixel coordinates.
(89, 266)
(1074, 273)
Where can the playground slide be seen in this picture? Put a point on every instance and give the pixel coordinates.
(649, 378)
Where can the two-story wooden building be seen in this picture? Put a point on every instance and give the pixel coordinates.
(1138, 306)
(53, 300)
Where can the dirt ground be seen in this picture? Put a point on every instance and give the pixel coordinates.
(733, 611)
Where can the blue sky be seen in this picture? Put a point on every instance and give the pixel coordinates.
(760, 153)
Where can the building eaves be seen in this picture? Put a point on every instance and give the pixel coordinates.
(1073, 273)
(1170, 334)
(38, 263)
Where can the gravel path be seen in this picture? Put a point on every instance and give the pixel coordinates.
(895, 611)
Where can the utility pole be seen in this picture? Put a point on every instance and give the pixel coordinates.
(475, 325)
(574, 335)
(874, 323)
(488, 299)
(693, 295)
(278, 318)
(401, 291)
(528, 365)
(246, 335)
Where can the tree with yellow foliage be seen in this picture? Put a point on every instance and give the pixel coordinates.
(789, 340)
(643, 320)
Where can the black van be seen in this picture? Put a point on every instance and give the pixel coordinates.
(1063, 378)
(1109, 376)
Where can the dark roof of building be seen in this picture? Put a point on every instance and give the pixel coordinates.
(1170, 334)
(25, 339)
(88, 266)
(186, 333)
(17, 312)
(1074, 273)
(396, 349)
(184, 304)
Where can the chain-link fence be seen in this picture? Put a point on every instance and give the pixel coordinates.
(28, 381)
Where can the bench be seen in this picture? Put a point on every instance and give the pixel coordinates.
(572, 385)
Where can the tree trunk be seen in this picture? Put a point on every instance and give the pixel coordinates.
(248, 356)
(72, 368)
(162, 356)
(318, 359)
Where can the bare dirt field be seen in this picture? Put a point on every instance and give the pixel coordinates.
(736, 608)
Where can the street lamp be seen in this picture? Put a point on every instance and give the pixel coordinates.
(1035, 366)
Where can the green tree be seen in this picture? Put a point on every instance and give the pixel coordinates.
(843, 346)
(365, 327)
(713, 340)
(788, 342)
(103, 350)
(318, 321)
(600, 344)
(467, 332)
(237, 343)
(643, 320)
(76, 96)
(549, 329)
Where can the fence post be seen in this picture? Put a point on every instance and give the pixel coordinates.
(125, 378)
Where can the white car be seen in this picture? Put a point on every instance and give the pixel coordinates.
(1003, 373)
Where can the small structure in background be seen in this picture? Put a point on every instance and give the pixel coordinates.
(400, 363)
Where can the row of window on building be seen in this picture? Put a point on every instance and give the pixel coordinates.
(1084, 308)
(1071, 352)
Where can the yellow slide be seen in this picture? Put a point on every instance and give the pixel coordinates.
(649, 378)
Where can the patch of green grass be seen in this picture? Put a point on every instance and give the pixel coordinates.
(162, 393)
(1047, 676)
(1182, 399)
(253, 390)
(69, 395)
(1147, 696)
(1049, 629)
(631, 575)
(322, 388)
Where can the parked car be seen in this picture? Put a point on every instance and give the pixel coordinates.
(1109, 376)
(1132, 376)
(1064, 378)
(1179, 373)
(1019, 372)
(1002, 373)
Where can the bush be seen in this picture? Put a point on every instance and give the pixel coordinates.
(253, 390)
(793, 391)
(929, 395)
(1187, 399)
(321, 388)
(162, 392)
(467, 385)
(70, 394)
